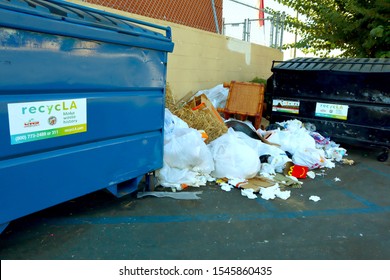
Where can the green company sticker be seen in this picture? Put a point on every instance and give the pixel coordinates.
(35, 121)
(332, 111)
(45, 134)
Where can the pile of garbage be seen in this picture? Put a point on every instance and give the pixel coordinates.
(265, 162)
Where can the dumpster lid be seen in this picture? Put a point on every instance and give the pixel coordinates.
(81, 15)
(360, 65)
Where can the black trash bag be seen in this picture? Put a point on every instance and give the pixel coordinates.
(243, 127)
(264, 158)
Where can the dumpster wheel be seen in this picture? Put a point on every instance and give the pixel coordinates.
(382, 157)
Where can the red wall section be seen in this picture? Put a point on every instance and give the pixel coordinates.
(197, 14)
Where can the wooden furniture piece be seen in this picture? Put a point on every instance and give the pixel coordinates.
(244, 100)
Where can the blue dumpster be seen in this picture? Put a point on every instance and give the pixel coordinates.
(82, 98)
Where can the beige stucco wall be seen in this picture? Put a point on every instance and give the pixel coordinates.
(202, 60)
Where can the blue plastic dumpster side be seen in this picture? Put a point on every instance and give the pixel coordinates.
(82, 98)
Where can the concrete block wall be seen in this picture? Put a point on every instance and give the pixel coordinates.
(202, 59)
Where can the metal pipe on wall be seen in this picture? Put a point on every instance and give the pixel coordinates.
(215, 16)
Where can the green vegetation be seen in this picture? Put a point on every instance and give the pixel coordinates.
(357, 28)
(259, 81)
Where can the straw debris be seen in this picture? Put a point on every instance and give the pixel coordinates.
(198, 119)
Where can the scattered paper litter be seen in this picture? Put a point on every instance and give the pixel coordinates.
(273, 192)
(283, 194)
(256, 183)
(175, 195)
(311, 174)
(287, 181)
(314, 198)
(321, 174)
(337, 179)
(248, 193)
(226, 187)
(348, 161)
(294, 179)
(237, 182)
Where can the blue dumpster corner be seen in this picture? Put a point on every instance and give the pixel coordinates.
(82, 98)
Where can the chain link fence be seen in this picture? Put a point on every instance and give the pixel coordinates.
(271, 37)
(252, 24)
(201, 14)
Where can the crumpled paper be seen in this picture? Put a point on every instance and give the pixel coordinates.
(249, 193)
(314, 198)
(273, 192)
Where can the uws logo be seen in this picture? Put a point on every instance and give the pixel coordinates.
(31, 123)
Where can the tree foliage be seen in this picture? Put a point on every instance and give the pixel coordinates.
(358, 28)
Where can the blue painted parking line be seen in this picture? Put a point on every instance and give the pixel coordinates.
(350, 194)
(217, 217)
(376, 171)
(268, 205)
(272, 212)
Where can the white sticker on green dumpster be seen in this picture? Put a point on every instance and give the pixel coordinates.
(285, 106)
(33, 121)
(332, 111)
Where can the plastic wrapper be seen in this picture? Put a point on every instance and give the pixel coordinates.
(320, 140)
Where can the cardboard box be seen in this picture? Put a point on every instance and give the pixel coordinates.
(201, 102)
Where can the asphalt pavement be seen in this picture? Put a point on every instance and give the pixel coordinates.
(351, 221)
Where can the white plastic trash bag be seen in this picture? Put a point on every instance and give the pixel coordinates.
(172, 122)
(292, 125)
(278, 158)
(312, 158)
(171, 177)
(233, 158)
(185, 148)
(217, 95)
(292, 141)
(174, 177)
(187, 159)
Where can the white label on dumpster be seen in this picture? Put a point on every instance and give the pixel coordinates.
(285, 106)
(332, 111)
(33, 121)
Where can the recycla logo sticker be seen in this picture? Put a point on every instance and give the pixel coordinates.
(61, 106)
(33, 121)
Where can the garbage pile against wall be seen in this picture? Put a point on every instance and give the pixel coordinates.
(187, 159)
(198, 113)
(266, 162)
